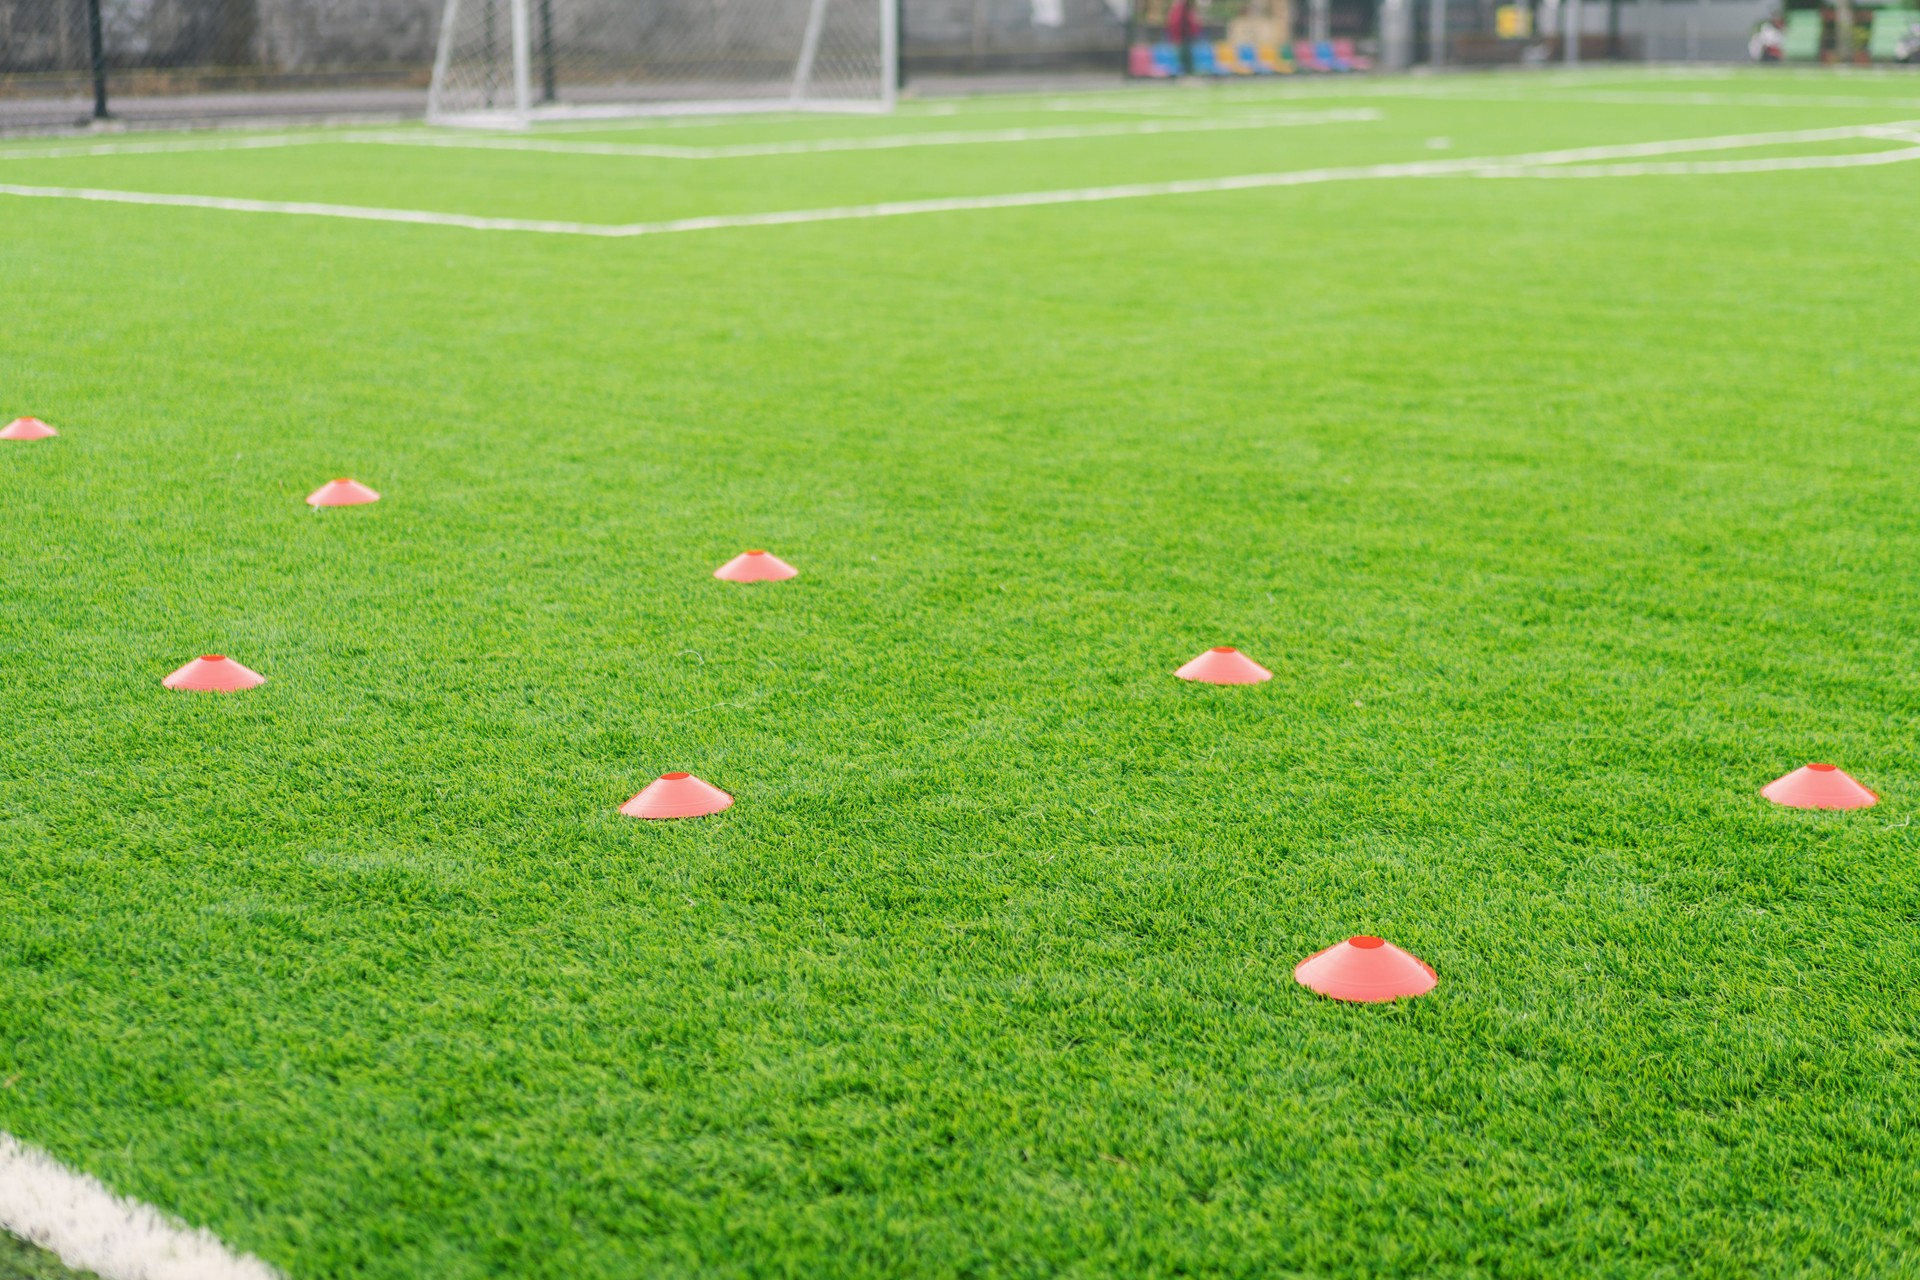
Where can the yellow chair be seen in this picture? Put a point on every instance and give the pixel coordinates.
(1273, 59)
(1227, 55)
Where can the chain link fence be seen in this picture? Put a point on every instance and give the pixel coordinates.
(156, 61)
(64, 60)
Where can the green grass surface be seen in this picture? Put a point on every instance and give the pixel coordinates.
(1567, 514)
(21, 1261)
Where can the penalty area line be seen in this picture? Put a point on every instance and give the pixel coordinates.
(881, 142)
(91, 1229)
(1645, 168)
(667, 151)
(1537, 164)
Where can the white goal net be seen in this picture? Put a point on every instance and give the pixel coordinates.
(514, 62)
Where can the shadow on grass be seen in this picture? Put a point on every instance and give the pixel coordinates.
(22, 1261)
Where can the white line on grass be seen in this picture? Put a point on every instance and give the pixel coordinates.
(1637, 98)
(91, 1229)
(1780, 164)
(1570, 90)
(259, 142)
(1173, 120)
(665, 151)
(1484, 166)
(652, 122)
(885, 142)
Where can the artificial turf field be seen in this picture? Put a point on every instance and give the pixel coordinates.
(1567, 512)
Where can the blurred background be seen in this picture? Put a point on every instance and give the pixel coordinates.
(64, 62)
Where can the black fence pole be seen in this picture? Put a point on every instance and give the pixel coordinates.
(98, 48)
(548, 85)
(899, 45)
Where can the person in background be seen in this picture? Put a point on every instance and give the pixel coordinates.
(1183, 28)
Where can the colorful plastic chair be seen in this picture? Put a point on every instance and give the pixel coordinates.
(1344, 51)
(1274, 59)
(1227, 57)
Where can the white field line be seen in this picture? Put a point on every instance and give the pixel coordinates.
(1905, 132)
(260, 142)
(1670, 99)
(617, 124)
(664, 151)
(1237, 95)
(1780, 164)
(1549, 86)
(1253, 91)
(1173, 118)
(1516, 165)
(243, 135)
(1573, 90)
(681, 122)
(887, 142)
(91, 1229)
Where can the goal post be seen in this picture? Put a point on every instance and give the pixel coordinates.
(511, 63)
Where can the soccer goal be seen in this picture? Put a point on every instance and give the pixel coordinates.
(515, 62)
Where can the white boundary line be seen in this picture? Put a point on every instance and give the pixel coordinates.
(664, 151)
(1567, 89)
(1642, 98)
(91, 1229)
(1782, 164)
(1172, 118)
(1486, 166)
(889, 142)
(261, 142)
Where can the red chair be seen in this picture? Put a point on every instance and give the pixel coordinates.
(1343, 50)
(1140, 63)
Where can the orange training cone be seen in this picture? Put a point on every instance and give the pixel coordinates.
(26, 429)
(1818, 786)
(214, 673)
(342, 493)
(1365, 969)
(755, 566)
(1224, 665)
(677, 795)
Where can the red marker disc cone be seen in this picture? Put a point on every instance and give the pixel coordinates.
(1818, 786)
(26, 429)
(677, 795)
(1224, 665)
(755, 566)
(342, 493)
(214, 674)
(1364, 969)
